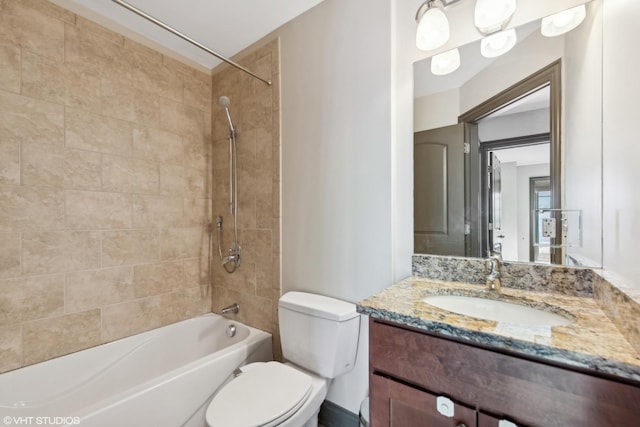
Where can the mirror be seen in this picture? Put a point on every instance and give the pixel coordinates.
(507, 150)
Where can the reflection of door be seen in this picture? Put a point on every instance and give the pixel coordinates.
(439, 191)
(539, 198)
(495, 204)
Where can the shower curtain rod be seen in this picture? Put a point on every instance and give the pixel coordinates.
(188, 39)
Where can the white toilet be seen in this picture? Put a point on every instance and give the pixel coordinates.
(319, 340)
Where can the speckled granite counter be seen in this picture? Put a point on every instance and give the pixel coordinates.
(591, 341)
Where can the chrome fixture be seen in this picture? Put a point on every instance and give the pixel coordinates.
(494, 264)
(232, 261)
(232, 309)
(224, 102)
(491, 18)
(187, 38)
(231, 331)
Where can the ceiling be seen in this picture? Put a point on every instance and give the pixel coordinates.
(527, 155)
(540, 99)
(224, 26)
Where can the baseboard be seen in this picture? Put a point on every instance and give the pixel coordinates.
(332, 415)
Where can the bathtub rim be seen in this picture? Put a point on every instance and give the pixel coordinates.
(254, 338)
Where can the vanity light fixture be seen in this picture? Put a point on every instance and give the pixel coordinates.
(498, 44)
(563, 22)
(433, 25)
(493, 15)
(446, 62)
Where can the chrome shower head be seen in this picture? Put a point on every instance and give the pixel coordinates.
(224, 102)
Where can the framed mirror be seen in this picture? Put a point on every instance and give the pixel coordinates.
(507, 150)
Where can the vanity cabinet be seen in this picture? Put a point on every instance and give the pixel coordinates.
(409, 369)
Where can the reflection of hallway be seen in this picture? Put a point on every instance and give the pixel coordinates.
(518, 166)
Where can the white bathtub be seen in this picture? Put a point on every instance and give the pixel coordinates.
(164, 377)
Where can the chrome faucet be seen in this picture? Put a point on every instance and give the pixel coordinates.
(233, 308)
(494, 264)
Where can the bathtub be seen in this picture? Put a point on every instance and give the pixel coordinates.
(161, 378)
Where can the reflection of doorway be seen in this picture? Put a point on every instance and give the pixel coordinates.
(482, 244)
(507, 193)
(539, 198)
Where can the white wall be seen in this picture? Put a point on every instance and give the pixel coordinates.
(509, 194)
(621, 154)
(582, 90)
(437, 110)
(514, 125)
(336, 168)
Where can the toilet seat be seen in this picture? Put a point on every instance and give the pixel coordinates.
(264, 395)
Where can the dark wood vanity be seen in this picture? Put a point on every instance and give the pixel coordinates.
(410, 368)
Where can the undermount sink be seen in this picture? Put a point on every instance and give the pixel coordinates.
(498, 311)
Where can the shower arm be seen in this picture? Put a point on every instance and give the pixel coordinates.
(187, 39)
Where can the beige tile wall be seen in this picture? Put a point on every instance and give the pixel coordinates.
(104, 185)
(255, 110)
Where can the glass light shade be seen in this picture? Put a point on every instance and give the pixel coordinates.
(445, 63)
(564, 21)
(493, 15)
(433, 29)
(498, 44)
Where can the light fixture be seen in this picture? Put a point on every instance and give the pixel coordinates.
(498, 44)
(493, 15)
(445, 63)
(563, 22)
(433, 26)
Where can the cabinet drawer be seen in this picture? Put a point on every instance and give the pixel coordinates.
(532, 393)
(399, 405)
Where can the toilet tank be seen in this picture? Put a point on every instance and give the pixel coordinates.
(319, 333)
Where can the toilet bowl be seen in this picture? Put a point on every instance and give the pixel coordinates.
(269, 394)
(319, 339)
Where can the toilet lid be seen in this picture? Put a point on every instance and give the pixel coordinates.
(265, 394)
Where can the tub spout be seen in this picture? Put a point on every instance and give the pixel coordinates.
(233, 308)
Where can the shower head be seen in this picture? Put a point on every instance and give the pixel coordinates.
(224, 101)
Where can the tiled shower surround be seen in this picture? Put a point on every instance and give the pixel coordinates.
(255, 111)
(105, 183)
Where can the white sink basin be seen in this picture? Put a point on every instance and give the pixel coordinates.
(498, 311)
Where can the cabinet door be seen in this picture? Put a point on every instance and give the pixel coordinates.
(486, 420)
(398, 405)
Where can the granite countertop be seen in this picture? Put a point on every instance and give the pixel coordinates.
(590, 341)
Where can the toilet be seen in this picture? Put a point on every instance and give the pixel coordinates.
(319, 341)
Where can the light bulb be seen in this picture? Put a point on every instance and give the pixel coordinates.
(498, 44)
(445, 63)
(563, 22)
(433, 29)
(493, 15)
